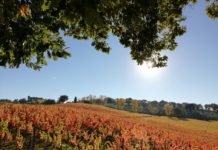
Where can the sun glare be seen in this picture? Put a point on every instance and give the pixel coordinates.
(146, 70)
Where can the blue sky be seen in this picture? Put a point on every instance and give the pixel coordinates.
(191, 74)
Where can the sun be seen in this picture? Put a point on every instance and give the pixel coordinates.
(147, 71)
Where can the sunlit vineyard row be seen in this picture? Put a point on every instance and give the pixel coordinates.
(75, 126)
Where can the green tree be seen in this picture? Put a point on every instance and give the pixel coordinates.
(212, 9)
(153, 108)
(75, 99)
(31, 30)
(49, 101)
(168, 108)
(62, 98)
(110, 100)
(178, 112)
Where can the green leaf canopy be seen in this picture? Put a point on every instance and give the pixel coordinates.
(30, 30)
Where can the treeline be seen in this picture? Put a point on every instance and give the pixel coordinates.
(30, 100)
(38, 100)
(161, 108)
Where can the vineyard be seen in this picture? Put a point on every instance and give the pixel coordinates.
(86, 127)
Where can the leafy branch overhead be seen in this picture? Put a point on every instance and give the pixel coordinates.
(30, 30)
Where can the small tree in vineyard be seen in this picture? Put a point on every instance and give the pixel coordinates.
(75, 99)
(62, 99)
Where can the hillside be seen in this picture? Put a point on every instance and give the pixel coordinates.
(207, 130)
(84, 126)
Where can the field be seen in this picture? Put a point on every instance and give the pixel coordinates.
(83, 126)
